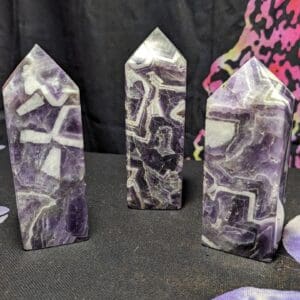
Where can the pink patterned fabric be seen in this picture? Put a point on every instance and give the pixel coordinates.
(271, 34)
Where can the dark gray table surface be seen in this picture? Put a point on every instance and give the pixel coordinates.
(134, 254)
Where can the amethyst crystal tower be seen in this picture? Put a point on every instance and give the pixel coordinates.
(43, 119)
(248, 126)
(155, 115)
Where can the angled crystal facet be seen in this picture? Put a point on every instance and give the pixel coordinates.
(248, 128)
(155, 117)
(43, 118)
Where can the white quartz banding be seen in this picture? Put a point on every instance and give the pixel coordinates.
(37, 137)
(51, 165)
(34, 102)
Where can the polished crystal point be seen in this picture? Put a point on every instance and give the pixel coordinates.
(155, 116)
(43, 118)
(248, 129)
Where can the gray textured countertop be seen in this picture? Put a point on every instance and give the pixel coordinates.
(134, 254)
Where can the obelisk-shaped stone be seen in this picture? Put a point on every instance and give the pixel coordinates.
(155, 117)
(248, 129)
(44, 127)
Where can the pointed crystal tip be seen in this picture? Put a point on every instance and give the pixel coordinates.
(156, 47)
(37, 51)
(37, 47)
(158, 36)
(255, 63)
(254, 79)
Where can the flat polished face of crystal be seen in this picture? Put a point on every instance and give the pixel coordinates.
(155, 117)
(44, 127)
(248, 127)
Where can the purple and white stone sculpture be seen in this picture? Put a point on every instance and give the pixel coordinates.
(248, 127)
(44, 127)
(155, 117)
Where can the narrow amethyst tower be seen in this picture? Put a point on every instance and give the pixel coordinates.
(44, 128)
(248, 128)
(155, 117)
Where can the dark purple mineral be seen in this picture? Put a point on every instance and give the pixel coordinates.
(248, 129)
(44, 127)
(155, 116)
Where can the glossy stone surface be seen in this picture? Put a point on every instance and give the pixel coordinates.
(43, 118)
(155, 118)
(251, 293)
(248, 128)
(291, 238)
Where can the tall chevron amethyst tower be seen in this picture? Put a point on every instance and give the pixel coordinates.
(248, 129)
(43, 119)
(155, 117)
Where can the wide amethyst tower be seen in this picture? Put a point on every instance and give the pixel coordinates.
(44, 127)
(248, 127)
(155, 117)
